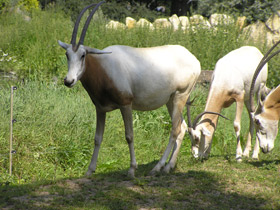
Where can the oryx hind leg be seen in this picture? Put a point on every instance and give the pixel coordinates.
(175, 108)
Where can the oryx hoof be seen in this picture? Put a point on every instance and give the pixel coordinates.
(239, 159)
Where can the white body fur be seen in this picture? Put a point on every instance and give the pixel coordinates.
(135, 78)
(230, 83)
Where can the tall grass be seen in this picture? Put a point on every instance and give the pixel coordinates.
(55, 126)
(33, 44)
(54, 133)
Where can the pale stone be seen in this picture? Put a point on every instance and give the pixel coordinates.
(185, 23)
(174, 20)
(271, 38)
(130, 22)
(273, 23)
(241, 21)
(216, 19)
(256, 31)
(162, 23)
(115, 25)
(199, 20)
(144, 23)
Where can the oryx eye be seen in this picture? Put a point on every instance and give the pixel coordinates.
(83, 56)
(67, 56)
(257, 122)
(263, 132)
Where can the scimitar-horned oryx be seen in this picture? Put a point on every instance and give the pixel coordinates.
(127, 78)
(267, 114)
(230, 83)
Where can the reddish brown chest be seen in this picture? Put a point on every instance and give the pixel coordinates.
(101, 88)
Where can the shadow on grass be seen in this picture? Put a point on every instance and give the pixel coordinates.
(264, 163)
(114, 190)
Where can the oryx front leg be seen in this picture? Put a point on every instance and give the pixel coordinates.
(237, 128)
(128, 123)
(247, 149)
(100, 124)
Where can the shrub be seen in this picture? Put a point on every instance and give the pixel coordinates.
(32, 44)
(253, 9)
(29, 4)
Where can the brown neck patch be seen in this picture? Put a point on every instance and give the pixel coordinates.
(100, 87)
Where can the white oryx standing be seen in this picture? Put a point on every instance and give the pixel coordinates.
(230, 83)
(127, 78)
(267, 114)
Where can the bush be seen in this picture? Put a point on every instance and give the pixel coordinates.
(29, 4)
(31, 45)
(253, 9)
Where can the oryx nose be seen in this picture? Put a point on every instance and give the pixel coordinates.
(264, 150)
(267, 149)
(67, 82)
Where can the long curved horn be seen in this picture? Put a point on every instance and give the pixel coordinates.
(87, 23)
(264, 60)
(75, 30)
(203, 113)
(193, 125)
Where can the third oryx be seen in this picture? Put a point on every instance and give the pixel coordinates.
(230, 83)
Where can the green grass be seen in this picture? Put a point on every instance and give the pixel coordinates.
(54, 132)
(54, 140)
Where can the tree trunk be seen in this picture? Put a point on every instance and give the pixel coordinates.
(182, 7)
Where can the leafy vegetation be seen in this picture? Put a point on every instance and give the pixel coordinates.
(29, 47)
(253, 10)
(54, 132)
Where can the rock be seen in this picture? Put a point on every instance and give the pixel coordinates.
(273, 23)
(241, 22)
(115, 25)
(257, 32)
(130, 22)
(144, 23)
(205, 77)
(198, 20)
(162, 23)
(216, 19)
(185, 22)
(175, 22)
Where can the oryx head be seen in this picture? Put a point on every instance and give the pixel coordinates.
(76, 53)
(200, 135)
(267, 114)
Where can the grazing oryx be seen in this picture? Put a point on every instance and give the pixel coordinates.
(230, 83)
(267, 114)
(127, 78)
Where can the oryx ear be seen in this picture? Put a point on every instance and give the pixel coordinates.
(205, 131)
(63, 45)
(95, 51)
(273, 98)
